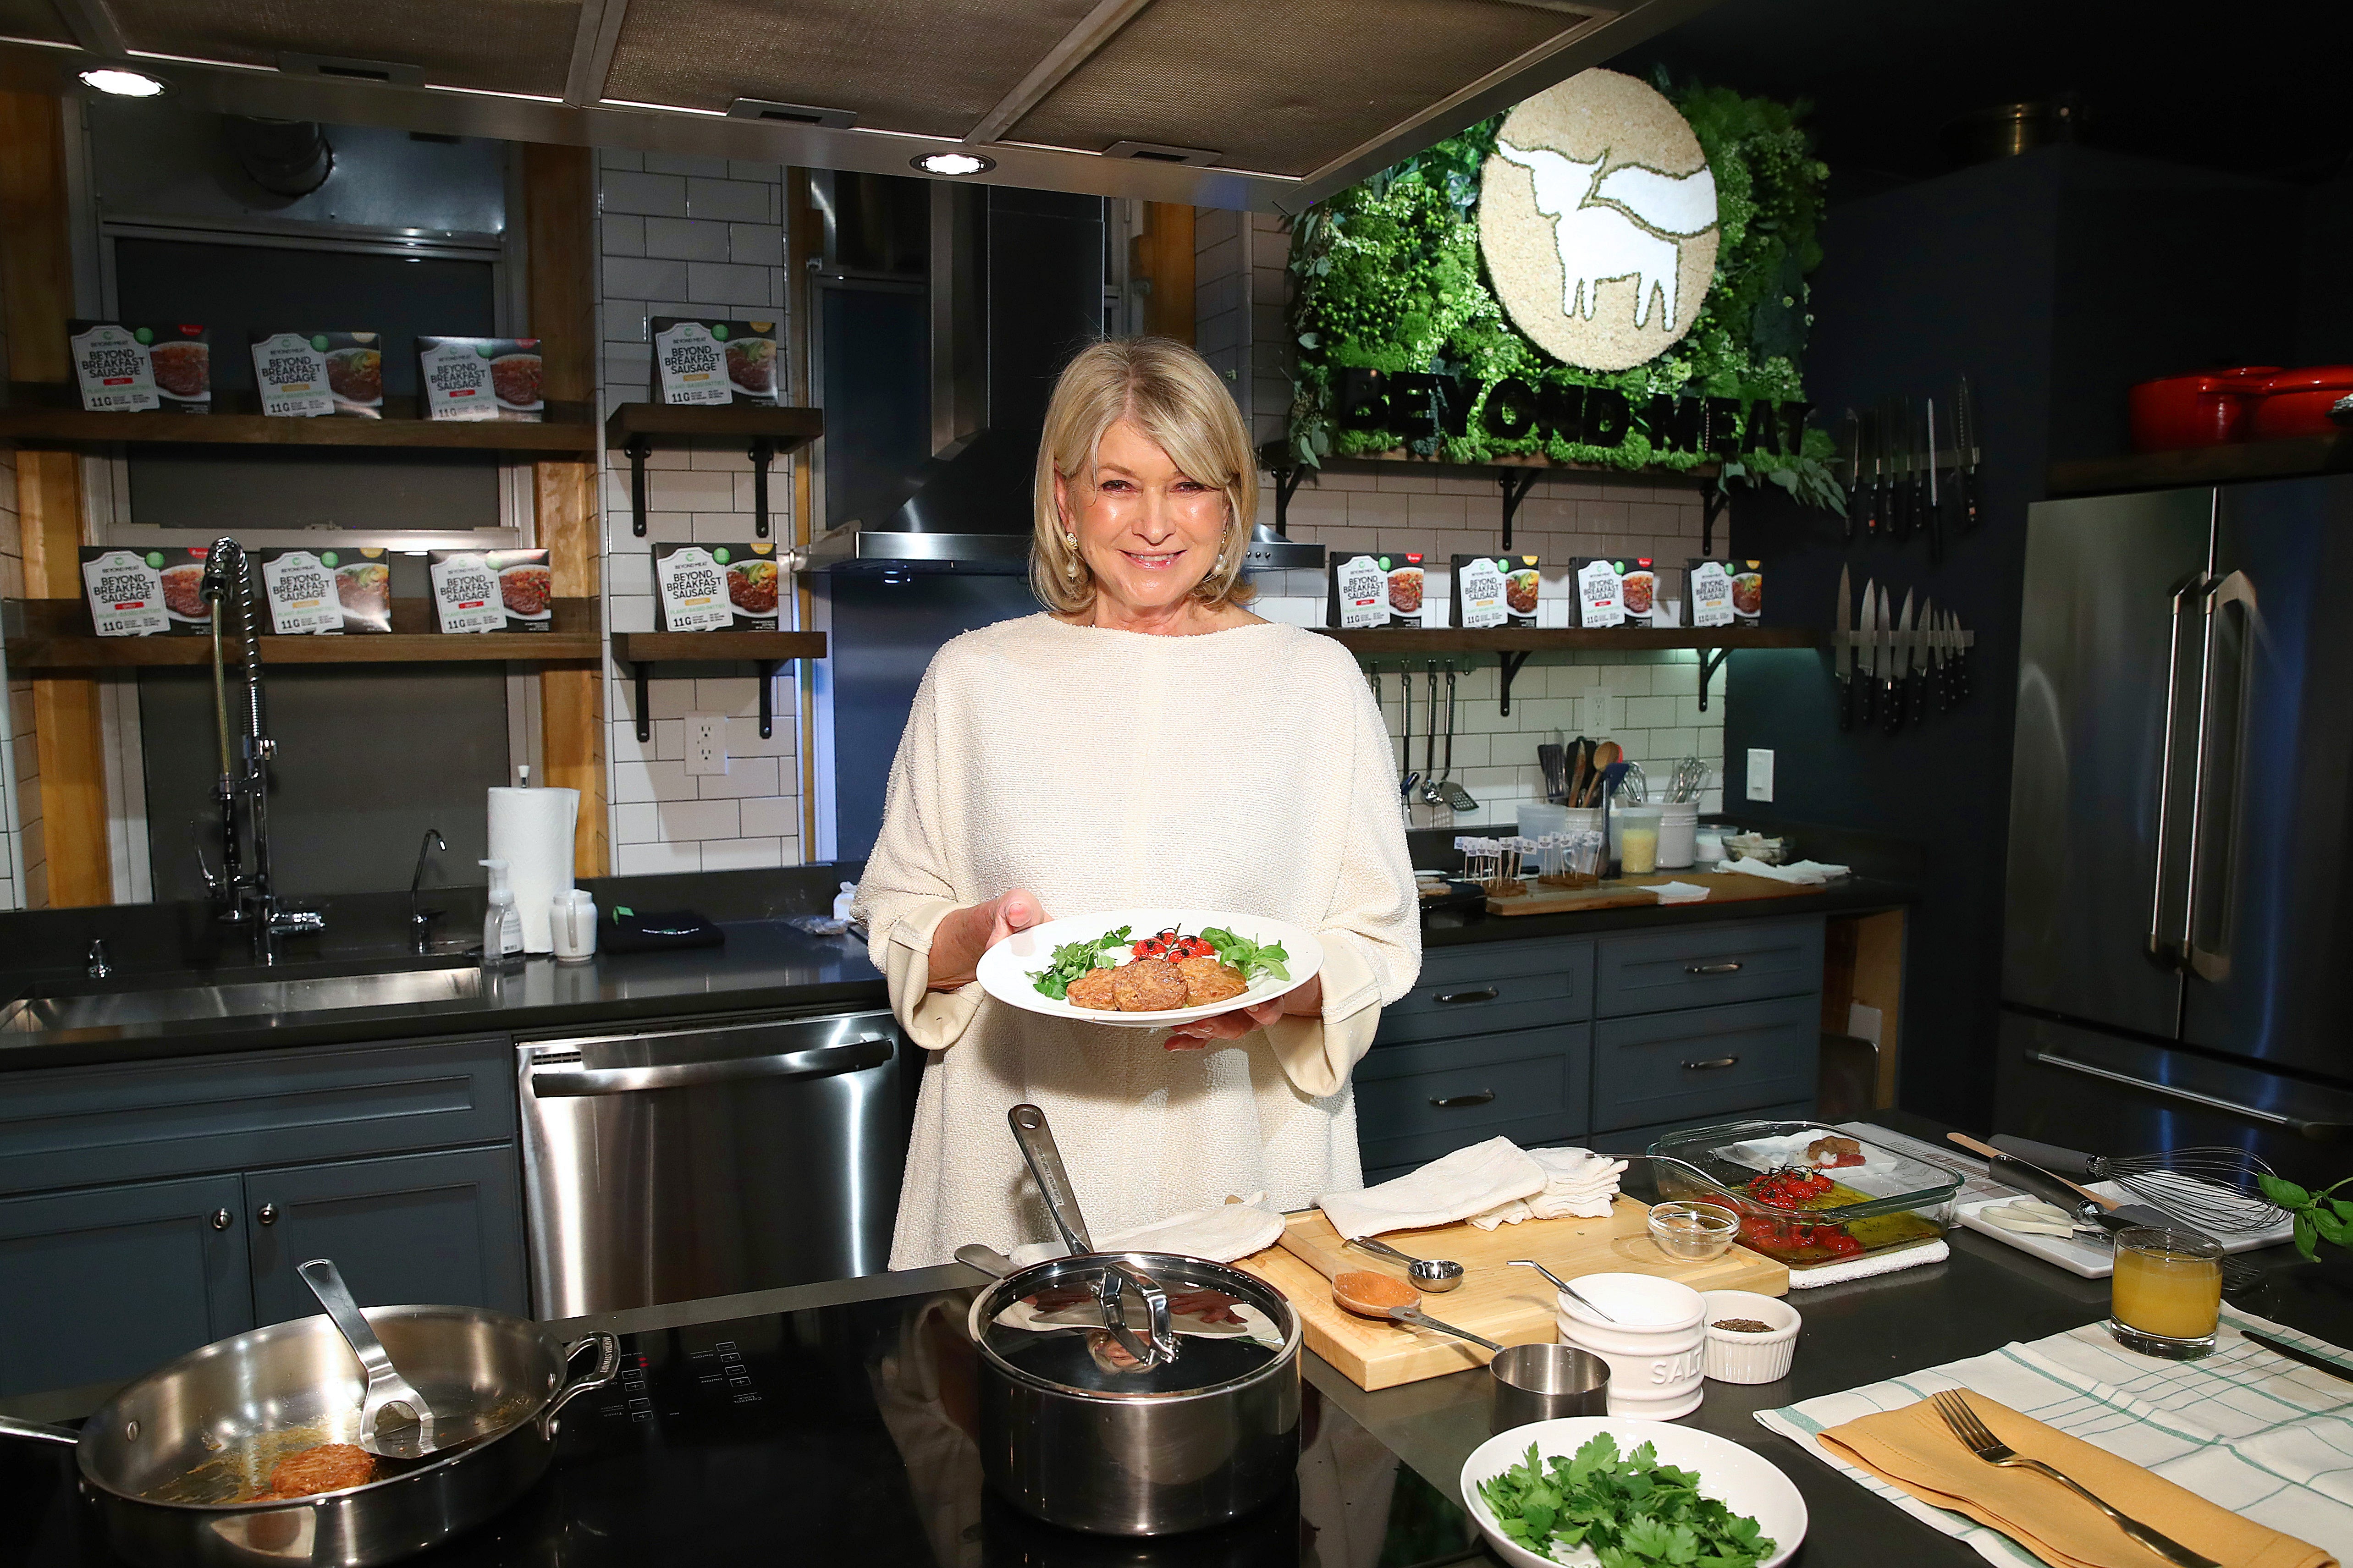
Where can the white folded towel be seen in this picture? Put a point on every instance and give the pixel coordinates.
(1227, 1231)
(1577, 1182)
(1804, 872)
(1677, 892)
(1452, 1187)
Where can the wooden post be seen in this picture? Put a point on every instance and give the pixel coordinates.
(37, 290)
(560, 240)
(1163, 255)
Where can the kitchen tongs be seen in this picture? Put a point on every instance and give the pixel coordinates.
(1118, 1275)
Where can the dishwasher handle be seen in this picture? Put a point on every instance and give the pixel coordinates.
(826, 1061)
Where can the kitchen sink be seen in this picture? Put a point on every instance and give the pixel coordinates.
(252, 999)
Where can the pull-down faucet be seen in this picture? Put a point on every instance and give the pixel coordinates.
(243, 890)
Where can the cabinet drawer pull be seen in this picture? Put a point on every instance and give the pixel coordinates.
(1712, 1064)
(223, 1219)
(1711, 969)
(1458, 1101)
(1485, 994)
(268, 1214)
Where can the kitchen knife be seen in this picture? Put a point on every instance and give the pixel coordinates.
(1936, 512)
(1866, 682)
(1853, 494)
(1922, 459)
(1961, 655)
(2294, 1353)
(1899, 668)
(1891, 442)
(1938, 674)
(1931, 676)
(1871, 474)
(1914, 630)
(1842, 658)
(1965, 442)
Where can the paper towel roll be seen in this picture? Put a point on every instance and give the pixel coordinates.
(531, 830)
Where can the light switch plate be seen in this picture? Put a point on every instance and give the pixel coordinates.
(706, 744)
(1760, 774)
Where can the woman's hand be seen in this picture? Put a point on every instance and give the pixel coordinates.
(963, 936)
(1303, 1002)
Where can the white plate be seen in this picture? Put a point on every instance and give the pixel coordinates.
(1006, 970)
(2093, 1256)
(1745, 1482)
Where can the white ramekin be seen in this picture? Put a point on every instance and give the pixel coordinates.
(1750, 1358)
(1654, 1347)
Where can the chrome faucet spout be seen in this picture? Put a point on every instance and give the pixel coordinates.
(420, 921)
(245, 887)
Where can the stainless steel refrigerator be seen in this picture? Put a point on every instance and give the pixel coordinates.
(2177, 946)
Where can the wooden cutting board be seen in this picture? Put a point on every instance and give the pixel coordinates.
(1510, 1306)
(1723, 888)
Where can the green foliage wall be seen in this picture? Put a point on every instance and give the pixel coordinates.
(1387, 276)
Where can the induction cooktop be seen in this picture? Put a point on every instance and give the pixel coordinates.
(837, 1434)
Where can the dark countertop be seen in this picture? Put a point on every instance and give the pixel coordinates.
(1844, 896)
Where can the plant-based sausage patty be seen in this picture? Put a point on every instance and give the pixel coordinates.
(329, 1468)
(1095, 989)
(1207, 979)
(1148, 985)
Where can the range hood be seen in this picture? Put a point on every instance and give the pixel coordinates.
(1015, 285)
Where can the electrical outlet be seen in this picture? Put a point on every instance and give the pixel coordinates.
(1760, 770)
(706, 744)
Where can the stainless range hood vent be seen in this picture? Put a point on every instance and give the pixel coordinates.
(342, 67)
(1159, 152)
(791, 114)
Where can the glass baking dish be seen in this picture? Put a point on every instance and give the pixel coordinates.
(1885, 1203)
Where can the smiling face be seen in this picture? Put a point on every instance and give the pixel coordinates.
(1148, 531)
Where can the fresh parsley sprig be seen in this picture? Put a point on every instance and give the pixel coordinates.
(1255, 960)
(1074, 959)
(1633, 1512)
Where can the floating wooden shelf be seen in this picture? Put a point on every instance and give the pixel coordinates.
(639, 429)
(2293, 457)
(1515, 646)
(35, 414)
(56, 635)
(1514, 476)
(767, 649)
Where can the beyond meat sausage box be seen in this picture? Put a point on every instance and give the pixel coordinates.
(1495, 590)
(714, 361)
(309, 375)
(141, 592)
(492, 590)
(1387, 589)
(1600, 582)
(480, 378)
(302, 589)
(717, 587)
(129, 369)
(1727, 592)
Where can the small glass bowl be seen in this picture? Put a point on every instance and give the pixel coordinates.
(1692, 1232)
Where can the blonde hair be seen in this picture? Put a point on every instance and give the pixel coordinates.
(1169, 392)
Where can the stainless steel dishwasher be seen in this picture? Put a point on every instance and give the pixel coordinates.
(702, 1160)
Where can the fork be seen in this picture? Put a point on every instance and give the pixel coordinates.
(1978, 1440)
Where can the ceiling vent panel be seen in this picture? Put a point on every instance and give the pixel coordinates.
(495, 45)
(931, 66)
(1294, 98)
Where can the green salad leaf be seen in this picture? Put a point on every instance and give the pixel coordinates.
(1632, 1512)
(1073, 959)
(1254, 959)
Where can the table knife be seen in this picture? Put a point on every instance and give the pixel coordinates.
(1842, 658)
(2295, 1353)
(1965, 443)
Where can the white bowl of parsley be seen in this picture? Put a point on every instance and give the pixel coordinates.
(1648, 1492)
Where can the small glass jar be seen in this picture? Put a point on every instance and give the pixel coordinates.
(2167, 1294)
(1635, 828)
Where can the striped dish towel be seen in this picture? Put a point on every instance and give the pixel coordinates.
(2248, 1429)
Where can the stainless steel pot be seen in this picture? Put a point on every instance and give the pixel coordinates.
(1077, 1431)
(161, 1460)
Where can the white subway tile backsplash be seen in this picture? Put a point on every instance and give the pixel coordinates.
(642, 278)
(755, 244)
(686, 238)
(655, 859)
(745, 776)
(696, 819)
(742, 854)
(732, 201)
(651, 781)
(777, 815)
(725, 280)
(657, 194)
(737, 695)
(685, 163)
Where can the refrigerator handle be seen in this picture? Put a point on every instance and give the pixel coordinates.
(2209, 964)
(2319, 1131)
(2157, 946)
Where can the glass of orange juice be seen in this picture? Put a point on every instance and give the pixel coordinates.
(2166, 1293)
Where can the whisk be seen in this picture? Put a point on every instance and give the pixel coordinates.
(2209, 1188)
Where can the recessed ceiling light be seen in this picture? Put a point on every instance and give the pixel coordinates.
(123, 82)
(954, 163)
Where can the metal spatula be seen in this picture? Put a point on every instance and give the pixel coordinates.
(1452, 793)
(388, 1392)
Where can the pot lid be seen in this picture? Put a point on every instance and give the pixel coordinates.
(1046, 1325)
(2311, 378)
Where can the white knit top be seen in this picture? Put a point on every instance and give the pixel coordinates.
(1242, 770)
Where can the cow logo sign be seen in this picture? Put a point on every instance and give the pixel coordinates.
(1597, 214)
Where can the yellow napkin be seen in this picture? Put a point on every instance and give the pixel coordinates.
(1913, 1449)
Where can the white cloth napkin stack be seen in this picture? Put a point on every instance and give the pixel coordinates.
(1677, 892)
(1803, 872)
(1449, 1188)
(1232, 1230)
(1577, 1182)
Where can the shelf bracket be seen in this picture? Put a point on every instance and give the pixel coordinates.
(767, 669)
(1286, 485)
(1712, 504)
(1508, 666)
(764, 452)
(1516, 484)
(1709, 663)
(645, 707)
(637, 448)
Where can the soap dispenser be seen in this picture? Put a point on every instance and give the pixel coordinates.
(501, 924)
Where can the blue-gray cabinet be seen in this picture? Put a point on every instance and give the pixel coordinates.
(149, 1208)
(1612, 1039)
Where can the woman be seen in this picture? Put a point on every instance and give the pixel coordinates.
(1145, 742)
